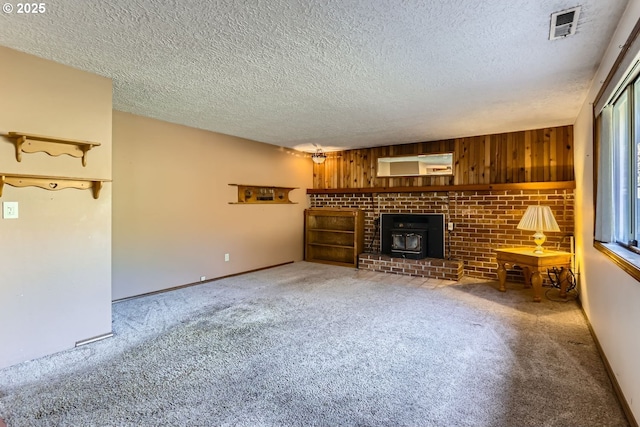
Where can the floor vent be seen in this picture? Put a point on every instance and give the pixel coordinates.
(564, 23)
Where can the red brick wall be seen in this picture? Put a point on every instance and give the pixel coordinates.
(483, 220)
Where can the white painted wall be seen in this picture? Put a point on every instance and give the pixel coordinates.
(610, 297)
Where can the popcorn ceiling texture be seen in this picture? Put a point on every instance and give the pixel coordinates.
(343, 74)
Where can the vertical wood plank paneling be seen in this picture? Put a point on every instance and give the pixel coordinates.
(457, 167)
(362, 171)
(509, 157)
(326, 171)
(561, 135)
(552, 160)
(479, 158)
(519, 157)
(471, 157)
(546, 155)
(486, 172)
(371, 173)
(346, 173)
(502, 147)
(318, 174)
(337, 171)
(329, 169)
(527, 156)
(378, 152)
(352, 169)
(465, 160)
(528, 140)
(538, 155)
(569, 153)
(495, 161)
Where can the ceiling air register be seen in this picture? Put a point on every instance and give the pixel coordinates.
(564, 23)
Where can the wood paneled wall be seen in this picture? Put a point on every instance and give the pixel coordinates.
(539, 155)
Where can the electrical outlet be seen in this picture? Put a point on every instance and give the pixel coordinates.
(203, 278)
(10, 210)
(226, 257)
(450, 226)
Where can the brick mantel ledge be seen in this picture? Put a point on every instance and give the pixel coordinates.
(553, 185)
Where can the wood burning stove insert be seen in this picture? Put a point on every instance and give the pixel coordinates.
(413, 236)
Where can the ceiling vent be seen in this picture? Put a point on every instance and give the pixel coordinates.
(564, 23)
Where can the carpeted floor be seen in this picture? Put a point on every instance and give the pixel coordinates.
(314, 345)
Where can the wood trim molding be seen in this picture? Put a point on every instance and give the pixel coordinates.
(623, 258)
(161, 291)
(623, 52)
(557, 185)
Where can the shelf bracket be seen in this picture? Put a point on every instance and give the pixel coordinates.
(19, 141)
(96, 187)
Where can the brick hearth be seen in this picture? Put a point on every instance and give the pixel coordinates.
(428, 267)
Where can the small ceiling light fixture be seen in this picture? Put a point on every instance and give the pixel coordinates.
(564, 23)
(539, 219)
(318, 157)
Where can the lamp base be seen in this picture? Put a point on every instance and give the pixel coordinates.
(539, 238)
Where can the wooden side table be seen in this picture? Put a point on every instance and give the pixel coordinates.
(532, 265)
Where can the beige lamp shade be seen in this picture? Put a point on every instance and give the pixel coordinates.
(539, 219)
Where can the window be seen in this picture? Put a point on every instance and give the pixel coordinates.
(617, 228)
(617, 159)
(621, 168)
(618, 209)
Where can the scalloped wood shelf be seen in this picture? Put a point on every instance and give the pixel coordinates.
(52, 183)
(30, 143)
(248, 194)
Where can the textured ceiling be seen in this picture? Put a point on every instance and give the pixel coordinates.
(337, 73)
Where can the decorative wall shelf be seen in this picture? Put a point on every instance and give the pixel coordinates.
(262, 194)
(52, 182)
(30, 143)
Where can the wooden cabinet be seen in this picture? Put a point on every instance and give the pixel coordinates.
(334, 235)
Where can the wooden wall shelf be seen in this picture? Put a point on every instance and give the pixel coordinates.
(251, 194)
(52, 183)
(555, 185)
(30, 143)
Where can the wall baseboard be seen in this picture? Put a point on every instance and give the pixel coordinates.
(614, 382)
(200, 283)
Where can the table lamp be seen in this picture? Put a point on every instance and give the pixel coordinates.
(539, 219)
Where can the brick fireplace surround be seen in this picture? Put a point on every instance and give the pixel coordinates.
(483, 221)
